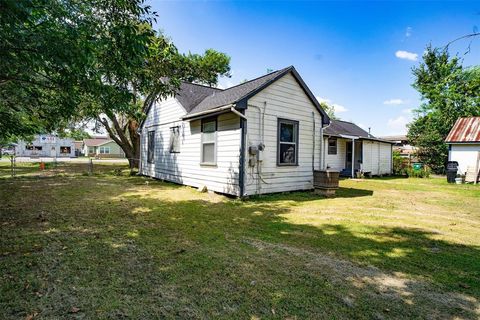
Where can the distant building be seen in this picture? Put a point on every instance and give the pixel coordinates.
(46, 145)
(402, 145)
(464, 144)
(102, 147)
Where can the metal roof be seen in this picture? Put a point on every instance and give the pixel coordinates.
(465, 130)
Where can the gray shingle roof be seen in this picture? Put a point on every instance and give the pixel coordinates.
(190, 94)
(339, 127)
(232, 95)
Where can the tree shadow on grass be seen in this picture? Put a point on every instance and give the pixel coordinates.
(138, 255)
(420, 274)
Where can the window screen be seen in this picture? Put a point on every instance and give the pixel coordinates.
(175, 139)
(209, 141)
(332, 146)
(287, 136)
(151, 146)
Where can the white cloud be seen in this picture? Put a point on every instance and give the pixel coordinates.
(394, 101)
(408, 32)
(407, 111)
(337, 108)
(398, 124)
(401, 54)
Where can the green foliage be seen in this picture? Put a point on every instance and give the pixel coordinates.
(448, 92)
(398, 163)
(329, 109)
(58, 55)
(411, 173)
(76, 134)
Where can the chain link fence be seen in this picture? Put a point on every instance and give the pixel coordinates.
(13, 167)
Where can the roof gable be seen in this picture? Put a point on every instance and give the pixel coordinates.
(201, 99)
(465, 130)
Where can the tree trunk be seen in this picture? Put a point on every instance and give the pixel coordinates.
(130, 144)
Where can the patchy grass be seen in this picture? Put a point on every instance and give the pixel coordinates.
(105, 246)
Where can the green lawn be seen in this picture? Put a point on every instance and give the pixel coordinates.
(110, 247)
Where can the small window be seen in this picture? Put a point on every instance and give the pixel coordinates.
(287, 137)
(175, 139)
(151, 146)
(209, 141)
(332, 146)
(91, 150)
(38, 148)
(28, 147)
(105, 150)
(65, 150)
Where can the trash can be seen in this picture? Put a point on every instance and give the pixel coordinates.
(452, 169)
(417, 166)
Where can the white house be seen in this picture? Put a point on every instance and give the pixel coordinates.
(46, 145)
(261, 136)
(464, 143)
(345, 144)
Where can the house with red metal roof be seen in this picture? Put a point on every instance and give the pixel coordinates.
(464, 144)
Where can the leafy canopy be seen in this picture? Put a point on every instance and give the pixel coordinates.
(448, 91)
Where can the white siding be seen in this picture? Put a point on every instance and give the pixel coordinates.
(184, 167)
(464, 154)
(377, 157)
(283, 99)
(336, 161)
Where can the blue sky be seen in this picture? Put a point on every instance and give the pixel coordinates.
(356, 55)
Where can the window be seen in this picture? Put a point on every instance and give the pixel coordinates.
(104, 150)
(209, 141)
(65, 150)
(32, 147)
(91, 149)
(332, 146)
(175, 139)
(151, 146)
(287, 137)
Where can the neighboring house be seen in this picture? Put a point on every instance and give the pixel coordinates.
(464, 143)
(402, 145)
(102, 147)
(46, 145)
(262, 136)
(79, 148)
(345, 144)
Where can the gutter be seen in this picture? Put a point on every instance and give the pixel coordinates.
(207, 112)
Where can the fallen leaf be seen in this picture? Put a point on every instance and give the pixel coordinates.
(74, 310)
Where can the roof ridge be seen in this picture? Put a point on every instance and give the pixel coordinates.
(257, 78)
(202, 85)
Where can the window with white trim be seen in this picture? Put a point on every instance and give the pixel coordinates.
(209, 141)
(175, 139)
(104, 150)
(287, 148)
(332, 145)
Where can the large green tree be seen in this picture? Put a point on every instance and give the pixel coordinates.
(69, 60)
(54, 53)
(448, 91)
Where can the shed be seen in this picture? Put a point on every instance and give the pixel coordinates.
(464, 143)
